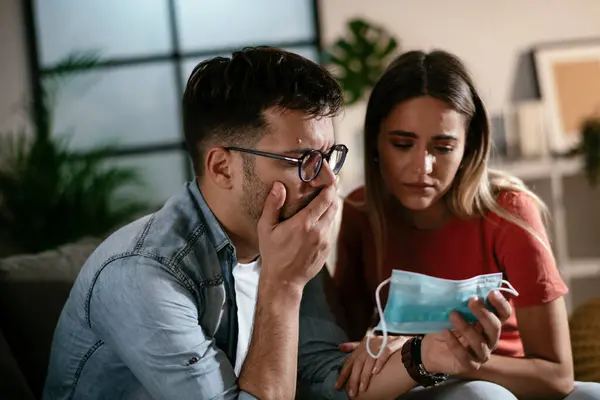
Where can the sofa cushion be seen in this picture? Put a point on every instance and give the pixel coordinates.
(33, 290)
(12, 382)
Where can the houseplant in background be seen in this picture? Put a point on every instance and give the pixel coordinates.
(590, 148)
(358, 58)
(51, 195)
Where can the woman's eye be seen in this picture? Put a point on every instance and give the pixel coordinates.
(402, 145)
(444, 149)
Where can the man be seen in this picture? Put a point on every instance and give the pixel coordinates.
(218, 294)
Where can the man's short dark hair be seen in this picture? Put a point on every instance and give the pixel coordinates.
(225, 98)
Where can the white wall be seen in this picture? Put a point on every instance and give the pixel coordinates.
(490, 36)
(493, 38)
(14, 84)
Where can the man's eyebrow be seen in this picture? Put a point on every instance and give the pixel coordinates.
(301, 150)
(412, 135)
(298, 151)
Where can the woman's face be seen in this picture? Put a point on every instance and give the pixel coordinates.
(421, 145)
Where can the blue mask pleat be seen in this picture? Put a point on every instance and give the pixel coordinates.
(419, 304)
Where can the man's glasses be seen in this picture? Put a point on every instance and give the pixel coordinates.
(310, 163)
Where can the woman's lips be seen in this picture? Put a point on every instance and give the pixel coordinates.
(419, 187)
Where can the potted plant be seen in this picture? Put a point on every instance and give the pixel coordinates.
(590, 149)
(51, 195)
(358, 58)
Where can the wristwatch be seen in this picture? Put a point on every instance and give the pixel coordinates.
(411, 358)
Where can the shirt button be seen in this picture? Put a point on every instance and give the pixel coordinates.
(193, 360)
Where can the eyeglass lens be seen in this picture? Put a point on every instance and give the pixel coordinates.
(312, 162)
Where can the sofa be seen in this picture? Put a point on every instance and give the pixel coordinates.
(33, 290)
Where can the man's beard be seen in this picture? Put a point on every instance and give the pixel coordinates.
(255, 193)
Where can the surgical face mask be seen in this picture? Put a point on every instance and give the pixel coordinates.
(420, 304)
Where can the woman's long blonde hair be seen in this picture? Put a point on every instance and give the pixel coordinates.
(475, 189)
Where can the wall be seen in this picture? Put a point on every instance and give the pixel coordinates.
(493, 38)
(14, 84)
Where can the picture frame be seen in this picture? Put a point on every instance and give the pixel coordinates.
(568, 81)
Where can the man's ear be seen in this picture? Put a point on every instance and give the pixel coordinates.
(219, 167)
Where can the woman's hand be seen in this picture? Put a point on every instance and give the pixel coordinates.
(451, 352)
(470, 345)
(360, 366)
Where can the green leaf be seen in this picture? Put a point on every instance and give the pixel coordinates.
(590, 148)
(360, 57)
(75, 61)
(50, 194)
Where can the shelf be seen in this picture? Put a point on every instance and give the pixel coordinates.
(539, 168)
(583, 268)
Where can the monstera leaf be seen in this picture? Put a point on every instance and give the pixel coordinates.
(358, 59)
(590, 148)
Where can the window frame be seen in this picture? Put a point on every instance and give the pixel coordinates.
(176, 58)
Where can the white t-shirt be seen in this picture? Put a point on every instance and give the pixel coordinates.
(245, 277)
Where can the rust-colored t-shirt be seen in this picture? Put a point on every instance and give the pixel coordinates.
(460, 249)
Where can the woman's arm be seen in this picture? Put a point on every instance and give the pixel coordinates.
(440, 353)
(392, 381)
(547, 369)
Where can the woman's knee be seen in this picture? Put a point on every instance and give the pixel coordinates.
(484, 390)
(585, 391)
(463, 390)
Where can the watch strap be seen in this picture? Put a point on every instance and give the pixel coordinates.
(411, 358)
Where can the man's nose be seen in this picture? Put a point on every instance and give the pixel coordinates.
(325, 177)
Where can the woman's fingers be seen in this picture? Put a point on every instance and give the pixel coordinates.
(345, 372)
(393, 346)
(489, 322)
(354, 381)
(502, 306)
(458, 351)
(381, 360)
(349, 346)
(477, 343)
(367, 372)
(359, 367)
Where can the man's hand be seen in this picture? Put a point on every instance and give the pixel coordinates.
(295, 250)
(470, 345)
(292, 252)
(360, 366)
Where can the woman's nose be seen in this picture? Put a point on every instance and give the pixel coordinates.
(423, 162)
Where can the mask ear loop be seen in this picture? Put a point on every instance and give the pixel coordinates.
(510, 289)
(381, 320)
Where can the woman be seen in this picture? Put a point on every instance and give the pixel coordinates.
(431, 205)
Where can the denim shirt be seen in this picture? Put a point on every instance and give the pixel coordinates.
(153, 314)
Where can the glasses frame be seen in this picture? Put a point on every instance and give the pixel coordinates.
(324, 156)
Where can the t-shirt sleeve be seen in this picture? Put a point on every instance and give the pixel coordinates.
(529, 266)
(349, 274)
